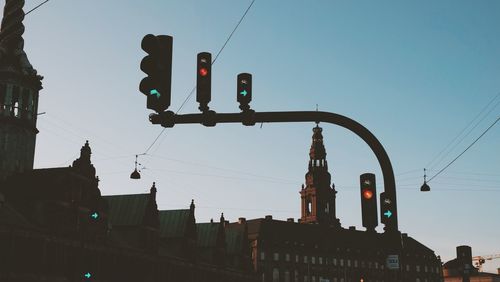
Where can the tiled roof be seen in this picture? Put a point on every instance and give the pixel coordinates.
(234, 240)
(207, 234)
(126, 210)
(173, 223)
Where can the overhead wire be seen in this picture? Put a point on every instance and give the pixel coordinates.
(38, 6)
(477, 139)
(462, 131)
(213, 62)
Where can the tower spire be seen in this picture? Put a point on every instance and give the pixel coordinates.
(12, 53)
(318, 194)
(19, 91)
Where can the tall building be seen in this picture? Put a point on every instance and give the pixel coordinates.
(317, 197)
(56, 226)
(19, 89)
(317, 249)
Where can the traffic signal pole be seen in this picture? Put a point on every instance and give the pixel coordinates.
(211, 118)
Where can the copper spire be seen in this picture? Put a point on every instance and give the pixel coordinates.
(12, 53)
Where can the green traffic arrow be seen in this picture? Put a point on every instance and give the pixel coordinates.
(88, 275)
(388, 214)
(244, 93)
(155, 92)
(95, 215)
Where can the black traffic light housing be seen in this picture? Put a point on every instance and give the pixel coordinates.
(387, 212)
(244, 90)
(204, 80)
(368, 201)
(158, 66)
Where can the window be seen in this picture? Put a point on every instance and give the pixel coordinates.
(334, 261)
(305, 259)
(306, 278)
(276, 275)
(287, 276)
(276, 256)
(287, 257)
(418, 268)
(426, 269)
(313, 279)
(407, 267)
(320, 260)
(348, 263)
(341, 262)
(313, 260)
(296, 258)
(262, 255)
(355, 263)
(296, 274)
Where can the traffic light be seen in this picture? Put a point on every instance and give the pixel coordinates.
(368, 200)
(244, 90)
(387, 212)
(158, 66)
(204, 80)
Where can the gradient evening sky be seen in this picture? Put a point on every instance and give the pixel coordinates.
(415, 73)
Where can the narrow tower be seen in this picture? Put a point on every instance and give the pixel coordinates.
(19, 88)
(318, 198)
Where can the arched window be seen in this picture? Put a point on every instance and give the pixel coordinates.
(309, 207)
(276, 275)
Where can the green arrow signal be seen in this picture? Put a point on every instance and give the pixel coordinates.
(87, 275)
(388, 214)
(95, 215)
(244, 93)
(155, 92)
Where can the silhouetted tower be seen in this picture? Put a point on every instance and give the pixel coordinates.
(318, 198)
(19, 87)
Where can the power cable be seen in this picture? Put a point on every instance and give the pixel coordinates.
(464, 150)
(213, 61)
(462, 131)
(25, 14)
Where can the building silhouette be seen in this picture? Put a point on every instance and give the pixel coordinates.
(315, 248)
(461, 269)
(56, 226)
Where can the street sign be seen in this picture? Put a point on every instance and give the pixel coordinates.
(392, 262)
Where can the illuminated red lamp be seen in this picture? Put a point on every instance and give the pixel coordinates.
(367, 194)
(203, 72)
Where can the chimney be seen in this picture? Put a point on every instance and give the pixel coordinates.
(464, 255)
(269, 217)
(289, 219)
(404, 235)
(352, 228)
(242, 220)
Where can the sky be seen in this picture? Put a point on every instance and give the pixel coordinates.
(415, 73)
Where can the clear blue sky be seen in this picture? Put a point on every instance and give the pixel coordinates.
(413, 72)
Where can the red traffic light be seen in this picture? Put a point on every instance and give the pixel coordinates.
(203, 71)
(367, 194)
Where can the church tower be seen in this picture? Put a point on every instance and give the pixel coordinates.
(317, 197)
(19, 87)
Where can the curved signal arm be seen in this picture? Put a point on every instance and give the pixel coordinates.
(169, 119)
